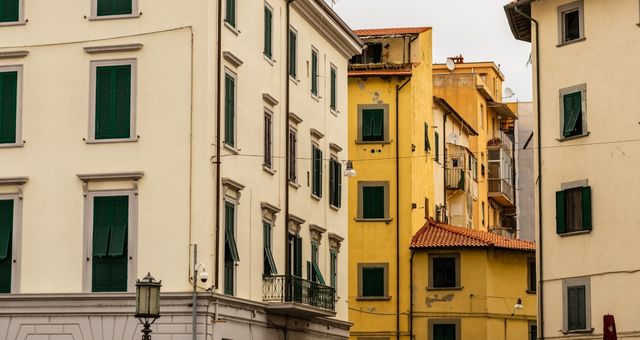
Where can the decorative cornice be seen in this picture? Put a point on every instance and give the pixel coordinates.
(295, 219)
(130, 175)
(230, 57)
(316, 232)
(294, 118)
(335, 147)
(13, 54)
(231, 184)
(113, 48)
(316, 134)
(335, 241)
(270, 207)
(14, 180)
(269, 99)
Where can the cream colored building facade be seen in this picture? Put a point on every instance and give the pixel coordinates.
(585, 62)
(121, 120)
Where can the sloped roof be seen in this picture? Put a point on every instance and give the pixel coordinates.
(518, 14)
(390, 31)
(437, 235)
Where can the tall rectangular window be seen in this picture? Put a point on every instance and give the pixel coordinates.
(427, 143)
(373, 200)
(110, 243)
(9, 10)
(9, 116)
(334, 268)
(295, 244)
(334, 90)
(231, 255)
(268, 140)
(317, 171)
(293, 154)
(6, 244)
(335, 183)
(293, 53)
(230, 14)
(269, 263)
(444, 271)
(576, 311)
(572, 111)
(436, 141)
(573, 210)
(531, 274)
(316, 274)
(571, 22)
(113, 110)
(373, 280)
(268, 32)
(111, 7)
(314, 72)
(229, 109)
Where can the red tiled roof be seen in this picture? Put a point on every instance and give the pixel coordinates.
(436, 235)
(382, 72)
(390, 31)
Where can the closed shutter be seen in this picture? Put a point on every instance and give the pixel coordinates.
(114, 7)
(332, 182)
(267, 140)
(113, 102)
(292, 53)
(8, 106)
(334, 269)
(338, 174)
(373, 202)
(576, 305)
(110, 253)
(444, 332)
(373, 281)
(268, 19)
(9, 10)
(586, 208)
(372, 125)
(297, 256)
(427, 145)
(436, 140)
(231, 13)
(6, 234)
(229, 110)
(318, 166)
(333, 89)
(572, 112)
(561, 227)
(314, 73)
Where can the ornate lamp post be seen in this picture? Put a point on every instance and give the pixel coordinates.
(147, 303)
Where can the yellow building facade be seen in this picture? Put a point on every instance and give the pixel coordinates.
(390, 132)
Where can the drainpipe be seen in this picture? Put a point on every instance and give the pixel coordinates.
(398, 88)
(411, 295)
(287, 255)
(218, 141)
(444, 161)
(539, 260)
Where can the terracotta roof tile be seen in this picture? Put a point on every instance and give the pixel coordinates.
(382, 72)
(437, 235)
(390, 31)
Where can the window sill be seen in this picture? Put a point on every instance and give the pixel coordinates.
(531, 292)
(113, 17)
(12, 145)
(13, 23)
(445, 288)
(315, 97)
(230, 148)
(109, 141)
(294, 185)
(268, 169)
(373, 298)
(563, 139)
(373, 142)
(270, 60)
(294, 79)
(573, 233)
(571, 42)
(334, 207)
(333, 111)
(385, 220)
(578, 331)
(234, 30)
(316, 197)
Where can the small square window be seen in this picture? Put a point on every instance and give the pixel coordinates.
(373, 123)
(570, 22)
(373, 200)
(114, 8)
(444, 271)
(373, 280)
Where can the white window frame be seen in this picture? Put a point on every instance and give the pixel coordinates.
(569, 7)
(94, 12)
(21, 20)
(133, 137)
(132, 236)
(233, 148)
(333, 68)
(19, 86)
(234, 27)
(16, 240)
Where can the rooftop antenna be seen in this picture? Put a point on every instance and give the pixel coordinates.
(451, 65)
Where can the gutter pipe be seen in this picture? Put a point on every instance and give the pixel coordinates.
(539, 133)
(218, 141)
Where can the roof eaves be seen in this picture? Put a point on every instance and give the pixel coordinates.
(520, 25)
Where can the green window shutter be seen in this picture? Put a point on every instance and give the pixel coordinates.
(229, 220)
(333, 89)
(576, 308)
(314, 73)
(332, 182)
(373, 281)
(268, 26)
(338, 202)
(444, 332)
(269, 263)
(229, 277)
(118, 237)
(114, 7)
(102, 219)
(572, 111)
(436, 140)
(297, 258)
(373, 125)
(113, 102)
(318, 165)
(229, 110)
(586, 208)
(561, 227)
(230, 17)
(6, 227)
(317, 274)
(110, 258)
(8, 106)
(9, 10)
(373, 202)
(334, 269)
(292, 53)
(427, 145)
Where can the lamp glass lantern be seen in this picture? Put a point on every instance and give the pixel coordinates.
(148, 298)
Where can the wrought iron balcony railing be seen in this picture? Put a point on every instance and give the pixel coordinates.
(501, 139)
(283, 288)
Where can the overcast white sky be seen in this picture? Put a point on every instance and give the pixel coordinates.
(477, 29)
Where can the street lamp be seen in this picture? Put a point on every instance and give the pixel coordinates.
(147, 303)
(349, 171)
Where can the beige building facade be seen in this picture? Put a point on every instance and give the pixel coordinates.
(133, 130)
(585, 101)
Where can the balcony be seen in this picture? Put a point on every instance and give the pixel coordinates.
(501, 139)
(501, 177)
(455, 179)
(501, 190)
(292, 295)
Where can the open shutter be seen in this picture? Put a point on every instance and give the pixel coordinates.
(6, 227)
(122, 92)
(229, 219)
(8, 106)
(561, 227)
(572, 110)
(118, 237)
(427, 144)
(586, 208)
(9, 10)
(102, 219)
(332, 182)
(318, 275)
(436, 140)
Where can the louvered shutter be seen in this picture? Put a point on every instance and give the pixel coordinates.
(118, 237)
(586, 208)
(9, 10)
(102, 219)
(122, 92)
(561, 226)
(333, 89)
(338, 202)
(8, 106)
(6, 227)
